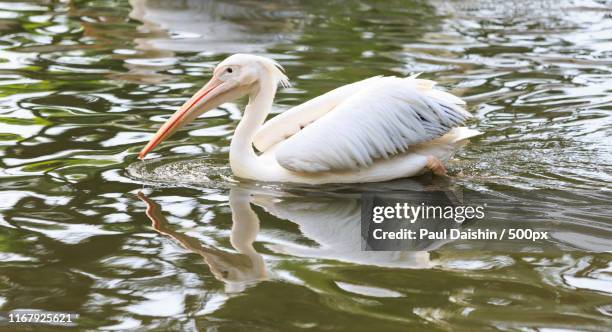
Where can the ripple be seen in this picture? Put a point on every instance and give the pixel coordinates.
(368, 290)
(209, 172)
(488, 263)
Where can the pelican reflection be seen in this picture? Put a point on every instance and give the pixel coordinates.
(331, 221)
(236, 270)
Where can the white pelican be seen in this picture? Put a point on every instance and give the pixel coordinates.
(373, 130)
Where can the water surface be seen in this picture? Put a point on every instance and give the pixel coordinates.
(178, 243)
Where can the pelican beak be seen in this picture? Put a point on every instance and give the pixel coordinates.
(213, 94)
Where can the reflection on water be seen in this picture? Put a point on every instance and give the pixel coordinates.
(84, 84)
(209, 26)
(234, 269)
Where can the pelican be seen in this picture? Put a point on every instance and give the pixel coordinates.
(373, 130)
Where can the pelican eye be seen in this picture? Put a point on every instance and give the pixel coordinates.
(229, 70)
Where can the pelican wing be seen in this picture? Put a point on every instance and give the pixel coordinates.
(293, 120)
(379, 120)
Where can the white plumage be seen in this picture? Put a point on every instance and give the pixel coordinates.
(379, 120)
(376, 129)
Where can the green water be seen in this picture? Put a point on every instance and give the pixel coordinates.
(84, 85)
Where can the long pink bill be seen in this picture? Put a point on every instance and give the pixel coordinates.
(200, 102)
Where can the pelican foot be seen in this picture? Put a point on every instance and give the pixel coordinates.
(435, 166)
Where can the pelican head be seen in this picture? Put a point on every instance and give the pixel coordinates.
(235, 77)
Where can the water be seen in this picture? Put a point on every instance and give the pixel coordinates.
(84, 84)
